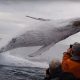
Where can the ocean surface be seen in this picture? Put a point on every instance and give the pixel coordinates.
(21, 73)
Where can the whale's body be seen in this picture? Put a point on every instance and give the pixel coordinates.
(46, 34)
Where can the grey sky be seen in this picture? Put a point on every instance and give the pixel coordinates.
(13, 12)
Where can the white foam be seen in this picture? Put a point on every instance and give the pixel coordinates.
(10, 60)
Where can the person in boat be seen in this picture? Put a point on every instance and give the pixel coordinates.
(69, 68)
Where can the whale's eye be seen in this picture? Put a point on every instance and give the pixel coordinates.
(14, 40)
(76, 23)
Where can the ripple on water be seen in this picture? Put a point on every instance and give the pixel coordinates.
(21, 73)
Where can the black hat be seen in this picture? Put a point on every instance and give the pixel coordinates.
(75, 57)
(76, 47)
(76, 50)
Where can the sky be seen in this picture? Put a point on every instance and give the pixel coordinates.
(13, 12)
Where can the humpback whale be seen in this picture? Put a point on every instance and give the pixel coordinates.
(46, 34)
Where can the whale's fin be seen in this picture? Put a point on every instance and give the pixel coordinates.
(41, 50)
(41, 19)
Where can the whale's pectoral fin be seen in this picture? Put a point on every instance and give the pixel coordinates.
(41, 50)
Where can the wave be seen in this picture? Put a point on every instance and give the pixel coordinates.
(10, 60)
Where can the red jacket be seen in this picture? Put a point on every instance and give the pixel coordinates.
(71, 66)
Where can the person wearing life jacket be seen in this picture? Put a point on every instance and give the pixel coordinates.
(69, 68)
(54, 70)
(71, 61)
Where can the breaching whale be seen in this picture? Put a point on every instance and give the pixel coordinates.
(46, 34)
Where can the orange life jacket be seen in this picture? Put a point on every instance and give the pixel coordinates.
(71, 66)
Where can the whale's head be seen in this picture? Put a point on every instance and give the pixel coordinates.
(10, 45)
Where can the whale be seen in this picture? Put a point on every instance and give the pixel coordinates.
(46, 35)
